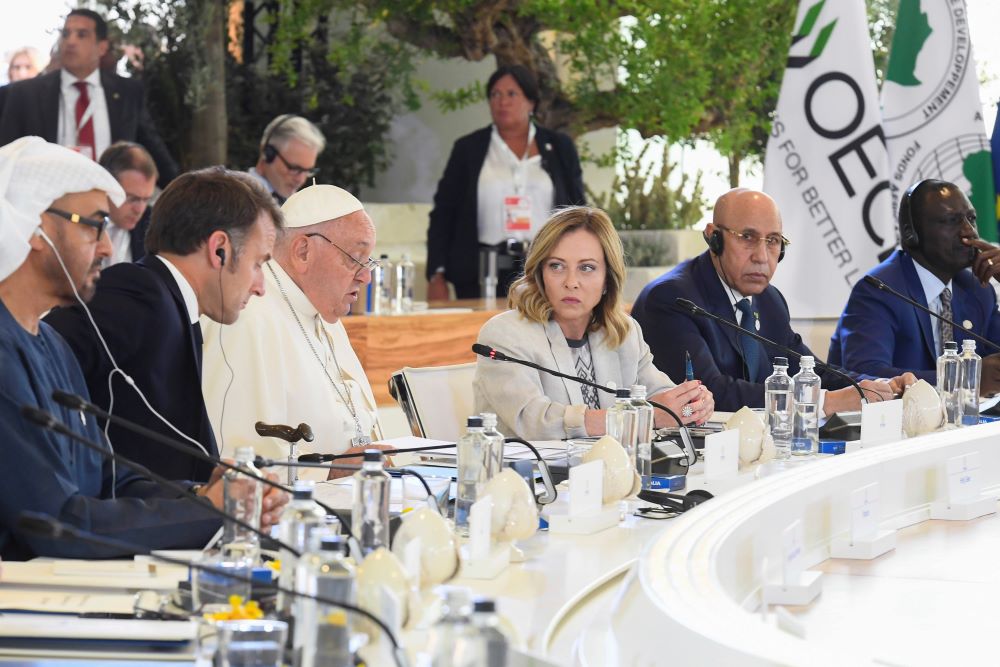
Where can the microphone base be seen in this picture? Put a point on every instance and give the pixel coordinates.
(566, 524)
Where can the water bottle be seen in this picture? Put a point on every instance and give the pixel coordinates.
(972, 365)
(494, 460)
(473, 452)
(242, 497)
(449, 644)
(323, 631)
(379, 288)
(805, 423)
(406, 273)
(778, 402)
(488, 644)
(301, 518)
(620, 422)
(949, 371)
(643, 434)
(370, 511)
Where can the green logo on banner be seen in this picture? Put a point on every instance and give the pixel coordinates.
(978, 170)
(808, 23)
(912, 31)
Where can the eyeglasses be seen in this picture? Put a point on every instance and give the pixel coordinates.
(371, 264)
(296, 169)
(751, 240)
(76, 218)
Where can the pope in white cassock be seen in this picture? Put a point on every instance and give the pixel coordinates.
(290, 356)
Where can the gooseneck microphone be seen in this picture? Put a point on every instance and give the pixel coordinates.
(42, 525)
(692, 308)
(47, 421)
(75, 402)
(326, 458)
(881, 286)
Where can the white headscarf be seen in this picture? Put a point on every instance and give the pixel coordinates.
(33, 174)
(318, 203)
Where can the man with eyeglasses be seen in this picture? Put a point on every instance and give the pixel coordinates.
(134, 169)
(290, 356)
(288, 153)
(733, 280)
(943, 264)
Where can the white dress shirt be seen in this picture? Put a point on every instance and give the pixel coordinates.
(98, 106)
(734, 298)
(932, 292)
(121, 246)
(187, 292)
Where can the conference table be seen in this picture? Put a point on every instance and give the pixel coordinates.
(689, 590)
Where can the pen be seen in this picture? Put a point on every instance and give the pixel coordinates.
(688, 367)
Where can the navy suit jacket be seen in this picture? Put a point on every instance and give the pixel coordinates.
(881, 335)
(141, 313)
(715, 350)
(137, 237)
(31, 108)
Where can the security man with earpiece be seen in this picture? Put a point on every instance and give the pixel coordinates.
(289, 149)
(942, 264)
(732, 279)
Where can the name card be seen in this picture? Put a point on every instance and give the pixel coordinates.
(480, 522)
(792, 541)
(882, 422)
(864, 512)
(722, 454)
(586, 488)
(411, 561)
(964, 482)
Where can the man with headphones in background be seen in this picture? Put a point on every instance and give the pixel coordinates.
(288, 153)
(732, 279)
(210, 234)
(942, 264)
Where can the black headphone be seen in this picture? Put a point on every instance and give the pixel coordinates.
(270, 152)
(908, 236)
(674, 501)
(716, 243)
(221, 254)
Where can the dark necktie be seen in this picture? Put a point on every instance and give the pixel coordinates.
(85, 132)
(947, 333)
(749, 345)
(199, 343)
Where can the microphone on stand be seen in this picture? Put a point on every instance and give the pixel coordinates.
(493, 353)
(691, 308)
(42, 525)
(75, 402)
(47, 421)
(881, 286)
(326, 458)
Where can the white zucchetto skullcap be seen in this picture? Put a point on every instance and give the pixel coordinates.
(318, 203)
(33, 174)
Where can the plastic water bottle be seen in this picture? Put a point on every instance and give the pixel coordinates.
(488, 644)
(242, 497)
(323, 631)
(406, 273)
(450, 636)
(301, 518)
(473, 455)
(972, 365)
(778, 402)
(370, 511)
(379, 292)
(805, 423)
(620, 422)
(494, 460)
(949, 372)
(643, 434)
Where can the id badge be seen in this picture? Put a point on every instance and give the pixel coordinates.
(517, 213)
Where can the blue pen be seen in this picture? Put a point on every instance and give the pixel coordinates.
(688, 367)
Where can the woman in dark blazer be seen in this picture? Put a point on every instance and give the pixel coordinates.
(495, 173)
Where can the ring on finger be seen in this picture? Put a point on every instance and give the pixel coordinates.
(687, 411)
(989, 261)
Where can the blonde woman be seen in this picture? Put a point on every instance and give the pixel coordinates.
(566, 314)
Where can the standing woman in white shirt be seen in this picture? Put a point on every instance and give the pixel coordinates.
(501, 183)
(566, 314)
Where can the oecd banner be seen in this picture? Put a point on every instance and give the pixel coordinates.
(932, 115)
(826, 163)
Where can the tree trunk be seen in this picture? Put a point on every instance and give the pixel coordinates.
(208, 140)
(734, 169)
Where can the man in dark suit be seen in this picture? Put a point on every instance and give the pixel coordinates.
(732, 279)
(209, 236)
(80, 106)
(134, 169)
(942, 264)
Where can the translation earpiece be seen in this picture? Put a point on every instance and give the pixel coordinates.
(221, 254)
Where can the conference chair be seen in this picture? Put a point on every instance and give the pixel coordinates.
(436, 400)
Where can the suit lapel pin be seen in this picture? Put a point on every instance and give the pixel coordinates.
(114, 96)
(756, 320)
(548, 147)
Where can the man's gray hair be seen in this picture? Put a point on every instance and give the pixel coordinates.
(288, 126)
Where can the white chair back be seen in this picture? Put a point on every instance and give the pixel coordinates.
(436, 400)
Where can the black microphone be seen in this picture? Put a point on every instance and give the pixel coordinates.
(493, 353)
(47, 421)
(42, 525)
(694, 309)
(326, 458)
(75, 402)
(879, 285)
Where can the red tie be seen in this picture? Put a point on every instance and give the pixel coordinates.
(84, 133)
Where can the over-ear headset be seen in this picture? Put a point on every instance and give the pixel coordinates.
(221, 254)
(674, 501)
(270, 152)
(908, 236)
(716, 243)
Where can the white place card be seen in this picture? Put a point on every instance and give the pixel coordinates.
(480, 522)
(586, 488)
(864, 512)
(722, 454)
(882, 422)
(792, 541)
(964, 481)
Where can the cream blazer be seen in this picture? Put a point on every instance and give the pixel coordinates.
(537, 406)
